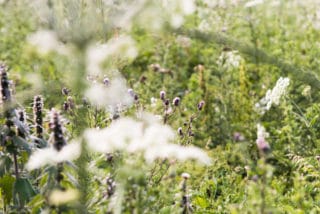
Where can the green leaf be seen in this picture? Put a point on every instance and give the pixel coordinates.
(36, 203)
(23, 191)
(20, 142)
(5, 164)
(202, 202)
(6, 186)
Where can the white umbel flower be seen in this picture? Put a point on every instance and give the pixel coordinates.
(50, 156)
(46, 41)
(273, 96)
(123, 47)
(152, 139)
(253, 3)
(115, 94)
(229, 59)
(261, 131)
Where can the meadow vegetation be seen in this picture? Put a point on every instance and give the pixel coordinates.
(149, 106)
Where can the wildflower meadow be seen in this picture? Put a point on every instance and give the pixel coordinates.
(160, 106)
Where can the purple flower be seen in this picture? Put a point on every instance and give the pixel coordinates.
(237, 136)
(176, 101)
(200, 105)
(263, 145)
(162, 95)
(131, 92)
(166, 102)
(106, 81)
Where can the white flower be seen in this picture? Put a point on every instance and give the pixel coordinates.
(50, 156)
(46, 41)
(58, 197)
(149, 137)
(253, 3)
(153, 101)
(183, 41)
(121, 47)
(273, 96)
(115, 137)
(185, 175)
(261, 142)
(177, 9)
(261, 132)
(186, 7)
(173, 151)
(229, 59)
(111, 96)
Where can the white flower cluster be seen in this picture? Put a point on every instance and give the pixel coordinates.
(273, 96)
(120, 47)
(178, 9)
(261, 141)
(261, 132)
(150, 138)
(46, 41)
(253, 3)
(229, 59)
(111, 96)
(50, 156)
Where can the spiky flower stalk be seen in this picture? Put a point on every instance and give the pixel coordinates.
(58, 140)
(5, 90)
(55, 125)
(37, 114)
(22, 127)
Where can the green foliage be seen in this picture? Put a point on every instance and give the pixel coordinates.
(224, 55)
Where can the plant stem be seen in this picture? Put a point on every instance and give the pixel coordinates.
(16, 168)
